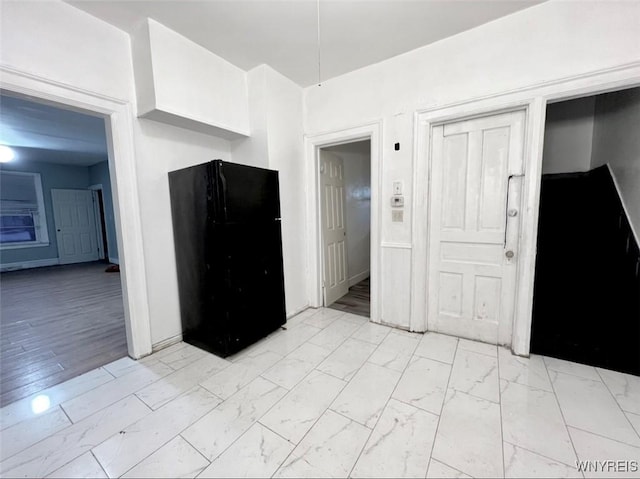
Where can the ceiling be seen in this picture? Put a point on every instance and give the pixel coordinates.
(40, 132)
(283, 34)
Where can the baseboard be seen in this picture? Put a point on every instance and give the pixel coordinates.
(114, 260)
(38, 263)
(298, 311)
(355, 279)
(166, 343)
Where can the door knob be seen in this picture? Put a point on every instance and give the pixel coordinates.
(509, 254)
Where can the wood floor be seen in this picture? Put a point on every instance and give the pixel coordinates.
(57, 323)
(356, 301)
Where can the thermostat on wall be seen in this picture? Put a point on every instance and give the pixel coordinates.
(397, 201)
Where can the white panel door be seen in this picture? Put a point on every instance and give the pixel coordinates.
(75, 223)
(334, 233)
(476, 178)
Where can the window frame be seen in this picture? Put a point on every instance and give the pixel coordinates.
(40, 216)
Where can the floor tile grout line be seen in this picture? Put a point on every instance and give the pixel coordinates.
(71, 423)
(504, 466)
(567, 425)
(170, 439)
(413, 405)
(454, 468)
(275, 432)
(107, 371)
(306, 433)
(42, 439)
(305, 377)
(194, 447)
(133, 393)
(97, 462)
(386, 402)
(479, 352)
(569, 373)
(32, 396)
(348, 418)
(617, 403)
(603, 437)
(538, 454)
(141, 460)
(221, 402)
(432, 359)
(244, 432)
(444, 400)
(475, 396)
(346, 383)
(564, 420)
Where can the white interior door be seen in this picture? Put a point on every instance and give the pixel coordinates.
(476, 173)
(334, 233)
(75, 223)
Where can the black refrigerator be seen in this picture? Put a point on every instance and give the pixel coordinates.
(228, 242)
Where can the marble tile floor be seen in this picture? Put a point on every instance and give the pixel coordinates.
(332, 396)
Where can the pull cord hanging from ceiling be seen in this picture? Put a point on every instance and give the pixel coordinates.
(319, 63)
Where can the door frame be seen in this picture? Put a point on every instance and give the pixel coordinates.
(533, 99)
(99, 214)
(422, 179)
(312, 146)
(118, 115)
(54, 207)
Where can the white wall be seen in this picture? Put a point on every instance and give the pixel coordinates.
(544, 43)
(616, 140)
(356, 158)
(568, 136)
(253, 151)
(188, 85)
(60, 43)
(56, 41)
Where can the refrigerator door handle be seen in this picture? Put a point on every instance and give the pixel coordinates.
(223, 193)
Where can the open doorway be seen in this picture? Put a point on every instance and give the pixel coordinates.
(345, 223)
(587, 282)
(62, 303)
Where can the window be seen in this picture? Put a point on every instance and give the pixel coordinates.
(22, 218)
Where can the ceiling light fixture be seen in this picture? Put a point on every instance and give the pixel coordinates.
(318, 17)
(6, 154)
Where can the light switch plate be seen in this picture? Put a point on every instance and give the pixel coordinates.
(397, 201)
(397, 187)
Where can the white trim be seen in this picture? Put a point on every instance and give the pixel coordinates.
(397, 245)
(534, 98)
(122, 168)
(624, 205)
(166, 343)
(356, 278)
(31, 244)
(36, 263)
(99, 218)
(297, 312)
(312, 145)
